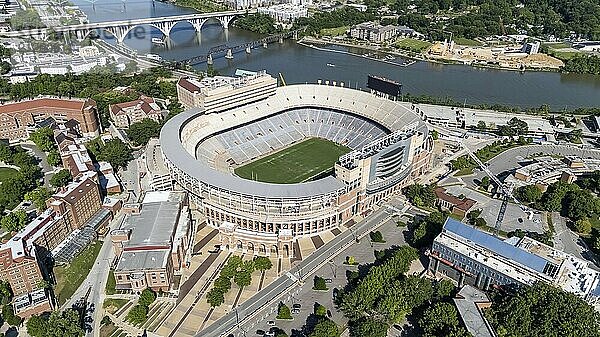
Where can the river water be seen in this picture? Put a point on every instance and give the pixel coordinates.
(300, 64)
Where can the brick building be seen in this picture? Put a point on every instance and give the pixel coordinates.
(125, 114)
(152, 242)
(456, 205)
(18, 119)
(80, 200)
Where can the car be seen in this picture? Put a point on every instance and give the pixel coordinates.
(328, 280)
(260, 332)
(295, 311)
(271, 323)
(297, 306)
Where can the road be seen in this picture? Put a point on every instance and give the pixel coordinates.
(301, 273)
(96, 279)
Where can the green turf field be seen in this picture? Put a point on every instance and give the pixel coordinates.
(297, 163)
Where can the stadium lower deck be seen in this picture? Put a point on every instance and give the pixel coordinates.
(246, 143)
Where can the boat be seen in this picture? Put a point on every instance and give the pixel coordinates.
(390, 58)
(154, 57)
(157, 40)
(330, 65)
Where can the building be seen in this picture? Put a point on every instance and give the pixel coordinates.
(125, 114)
(157, 170)
(75, 158)
(448, 202)
(391, 147)
(470, 303)
(17, 119)
(531, 48)
(80, 200)
(286, 13)
(476, 258)
(374, 32)
(89, 51)
(544, 171)
(153, 242)
(214, 94)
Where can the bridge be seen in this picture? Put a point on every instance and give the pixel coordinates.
(222, 50)
(120, 29)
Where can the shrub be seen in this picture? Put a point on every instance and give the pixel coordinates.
(319, 283)
(376, 237)
(283, 312)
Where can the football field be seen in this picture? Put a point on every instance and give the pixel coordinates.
(297, 163)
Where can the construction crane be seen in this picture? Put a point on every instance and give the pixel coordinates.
(282, 79)
(505, 189)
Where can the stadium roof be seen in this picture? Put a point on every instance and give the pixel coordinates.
(495, 245)
(366, 105)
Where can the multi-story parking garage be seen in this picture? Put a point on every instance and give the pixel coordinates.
(390, 146)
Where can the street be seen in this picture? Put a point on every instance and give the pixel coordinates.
(96, 280)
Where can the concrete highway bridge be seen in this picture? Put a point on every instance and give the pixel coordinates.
(120, 29)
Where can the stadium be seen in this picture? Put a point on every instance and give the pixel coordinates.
(304, 160)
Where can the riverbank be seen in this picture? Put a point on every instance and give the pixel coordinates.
(311, 41)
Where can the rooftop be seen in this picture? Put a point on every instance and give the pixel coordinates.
(466, 302)
(143, 259)
(153, 226)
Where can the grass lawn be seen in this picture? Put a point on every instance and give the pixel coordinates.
(70, 277)
(6, 172)
(111, 284)
(466, 42)
(412, 44)
(563, 55)
(112, 305)
(337, 31)
(464, 172)
(295, 164)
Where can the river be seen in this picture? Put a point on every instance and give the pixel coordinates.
(300, 64)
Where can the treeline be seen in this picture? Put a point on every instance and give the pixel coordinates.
(583, 64)
(258, 23)
(480, 18)
(346, 16)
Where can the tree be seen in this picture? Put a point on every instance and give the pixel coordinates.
(368, 327)
(138, 314)
(514, 127)
(54, 158)
(215, 297)
(38, 197)
(6, 293)
(243, 277)
(426, 229)
(485, 183)
(529, 193)
(325, 328)
(580, 203)
(117, 153)
(583, 226)
(481, 126)
(444, 289)
(262, 263)
(376, 237)
(544, 310)
(320, 310)
(147, 297)
(14, 221)
(9, 315)
(44, 139)
(283, 312)
(141, 132)
(61, 178)
(319, 283)
(420, 195)
(36, 326)
(439, 319)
